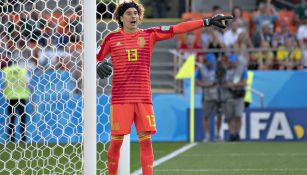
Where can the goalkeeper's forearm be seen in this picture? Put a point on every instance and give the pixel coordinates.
(189, 26)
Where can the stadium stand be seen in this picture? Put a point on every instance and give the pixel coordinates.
(62, 27)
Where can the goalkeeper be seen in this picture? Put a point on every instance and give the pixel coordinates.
(130, 49)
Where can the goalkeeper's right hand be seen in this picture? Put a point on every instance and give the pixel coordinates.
(217, 20)
(104, 69)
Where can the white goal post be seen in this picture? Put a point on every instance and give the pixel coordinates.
(90, 112)
(62, 126)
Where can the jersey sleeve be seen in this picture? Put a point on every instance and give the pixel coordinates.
(167, 32)
(104, 49)
(188, 26)
(163, 33)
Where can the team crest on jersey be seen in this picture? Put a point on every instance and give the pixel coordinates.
(141, 42)
(118, 43)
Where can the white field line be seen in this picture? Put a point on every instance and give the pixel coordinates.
(232, 170)
(168, 157)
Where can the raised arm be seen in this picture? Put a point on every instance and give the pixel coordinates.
(167, 32)
(217, 20)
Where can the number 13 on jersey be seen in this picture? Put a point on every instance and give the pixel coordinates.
(151, 120)
(132, 54)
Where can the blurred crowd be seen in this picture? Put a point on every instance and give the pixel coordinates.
(265, 39)
(42, 41)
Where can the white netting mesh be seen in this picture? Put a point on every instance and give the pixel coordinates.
(41, 133)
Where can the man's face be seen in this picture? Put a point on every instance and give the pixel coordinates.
(130, 19)
(237, 12)
(264, 8)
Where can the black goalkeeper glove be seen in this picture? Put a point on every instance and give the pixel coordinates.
(217, 20)
(104, 69)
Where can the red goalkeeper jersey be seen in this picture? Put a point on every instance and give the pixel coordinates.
(130, 55)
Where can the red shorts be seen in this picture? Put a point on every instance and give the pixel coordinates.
(122, 116)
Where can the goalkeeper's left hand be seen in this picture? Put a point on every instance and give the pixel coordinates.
(104, 69)
(217, 20)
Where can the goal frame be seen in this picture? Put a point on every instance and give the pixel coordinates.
(90, 111)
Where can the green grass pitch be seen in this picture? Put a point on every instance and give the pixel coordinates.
(244, 158)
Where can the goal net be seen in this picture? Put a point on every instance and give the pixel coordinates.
(42, 87)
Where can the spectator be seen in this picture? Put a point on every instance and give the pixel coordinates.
(62, 61)
(189, 44)
(279, 38)
(45, 56)
(48, 59)
(29, 55)
(216, 9)
(16, 92)
(12, 53)
(289, 56)
(302, 39)
(3, 58)
(263, 35)
(241, 47)
(206, 33)
(236, 76)
(206, 78)
(230, 37)
(206, 36)
(237, 14)
(266, 12)
(46, 37)
(60, 39)
(253, 63)
(29, 25)
(8, 24)
(3, 54)
(264, 59)
(216, 43)
(76, 23)
(301, 11)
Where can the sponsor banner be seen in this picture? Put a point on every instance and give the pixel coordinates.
(262, 125)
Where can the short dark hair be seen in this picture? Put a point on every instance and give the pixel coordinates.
(216, 7)
(121, 8)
